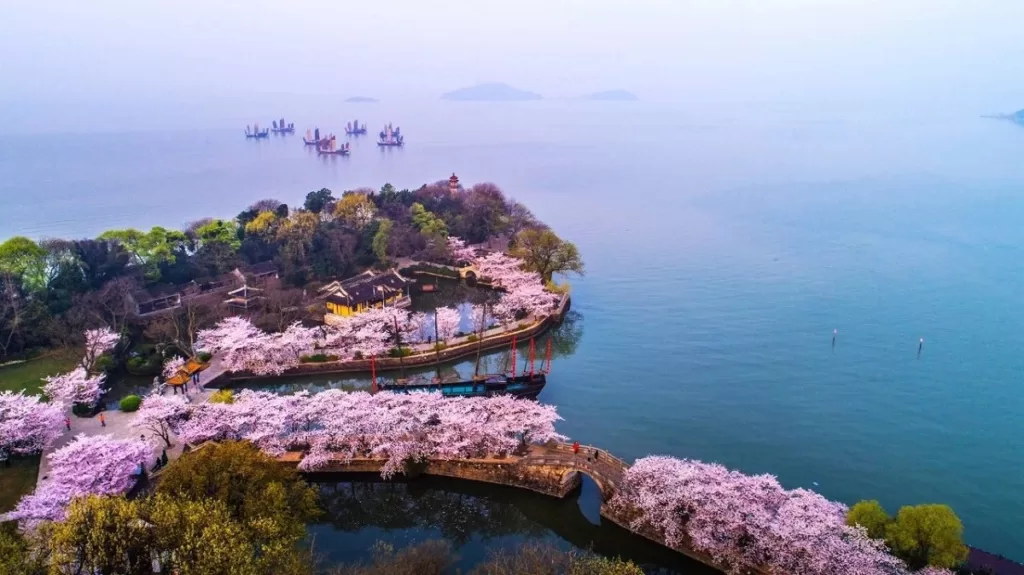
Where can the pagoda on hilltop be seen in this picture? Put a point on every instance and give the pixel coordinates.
(453, 184)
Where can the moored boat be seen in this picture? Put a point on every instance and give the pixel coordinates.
(254, 132)
(391, 137)
(525, 386)
(281, 128)
(354, 129)
(329, 147)
(312, 139)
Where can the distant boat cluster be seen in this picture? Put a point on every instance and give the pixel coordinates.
(327, 144)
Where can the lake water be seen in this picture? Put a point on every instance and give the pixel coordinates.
(723, 243)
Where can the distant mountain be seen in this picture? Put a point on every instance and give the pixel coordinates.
(361, 99)
(612, 95)
(490, 92)
(1017, 117)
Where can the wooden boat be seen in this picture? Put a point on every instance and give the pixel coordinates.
(525, 386)
(391, 137)
(263, 134)
(312, 138)
(281, 128)
(528, 385)
(354, 129)
(327, 147)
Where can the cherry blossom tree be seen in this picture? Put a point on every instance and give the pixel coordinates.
(73, 387)
(459, 252)
(398, 428)
(89, 465)
(159, 414)
(27, 425)
(172, 366)
(448, 320)
(746, 522)
(97, 341)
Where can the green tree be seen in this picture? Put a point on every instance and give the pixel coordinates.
(545, 253)
(252, 485)
(24, 259)
(870, 515)
(148, 249)
(263, 225)
(219, 232)
(381, 240)
(429, 224)
(924, 535)
(319, 200)
(17, 556)
(355, 210)
(199, 537)
(102, 535)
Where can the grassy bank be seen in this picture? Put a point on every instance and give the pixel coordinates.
(28, 375)
(17, 480)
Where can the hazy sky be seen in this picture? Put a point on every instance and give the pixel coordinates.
(663, 50)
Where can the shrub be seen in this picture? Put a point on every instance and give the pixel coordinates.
(223, 396)
(871, 516)
(318, 358)
(439, 346)
(105, 363)
(472, 337)
(204, 356)
(399, 352)
(560, 289)
(144, 365)
(357, 355)
(130, 403)
(927, 535)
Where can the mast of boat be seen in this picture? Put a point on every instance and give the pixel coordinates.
(398, 344)
(437, 346)
(373, 373)
(513, 356)
(532, 353)
(547, 369)
(480, 340)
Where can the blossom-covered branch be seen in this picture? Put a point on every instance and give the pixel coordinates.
(27, 425)
(75, 386)
(746, 522)
(89, 465)
(159, 414)
(338, 426)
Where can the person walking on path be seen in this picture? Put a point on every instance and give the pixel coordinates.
(67, 422)
(103, 421)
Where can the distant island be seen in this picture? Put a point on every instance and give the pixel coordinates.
(361, 99)
(490, 92)
(612, 95)
(1016, 117)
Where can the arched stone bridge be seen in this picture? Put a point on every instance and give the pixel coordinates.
(552, 469)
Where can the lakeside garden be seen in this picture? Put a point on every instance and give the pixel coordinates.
(228, 507)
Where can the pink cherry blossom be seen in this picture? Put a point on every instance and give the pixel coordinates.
(459, 252)
(172, 366)
(27, 425)
(159, 414)
(75, 386)
(337, 426)
(89, 465)
(745, 522)
(448, 321)
(524, 292)
(97, 341)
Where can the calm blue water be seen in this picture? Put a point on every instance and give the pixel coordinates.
(723, 246)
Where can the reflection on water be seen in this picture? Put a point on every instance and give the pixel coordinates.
(564, 340)
(475, 518)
